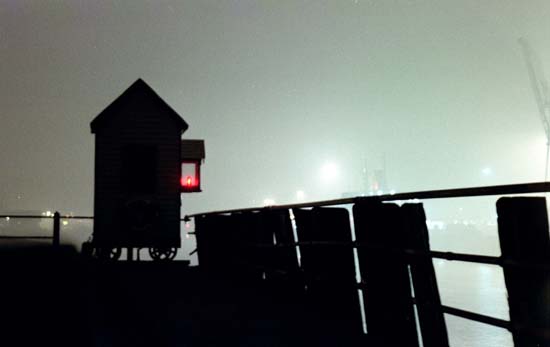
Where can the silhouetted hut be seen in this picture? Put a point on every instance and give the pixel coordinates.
(137, 174)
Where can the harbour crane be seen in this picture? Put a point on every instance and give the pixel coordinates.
(539, 85)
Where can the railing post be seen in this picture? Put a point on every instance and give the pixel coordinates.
(428, 302)
(523, 232)
(388, 306)
(56, 229)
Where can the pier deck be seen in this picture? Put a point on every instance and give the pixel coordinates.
(60, 299)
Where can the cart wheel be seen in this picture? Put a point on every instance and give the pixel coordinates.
(168, 253)
(108, 253)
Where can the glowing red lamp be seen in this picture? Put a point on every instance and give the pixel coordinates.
(192, 156)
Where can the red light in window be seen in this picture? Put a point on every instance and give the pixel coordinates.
(186, 181)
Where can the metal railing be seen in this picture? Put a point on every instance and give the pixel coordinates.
(56, 228)
(509, 189)
(56, 218)
(524, 188)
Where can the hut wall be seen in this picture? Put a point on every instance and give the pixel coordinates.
(141, 122)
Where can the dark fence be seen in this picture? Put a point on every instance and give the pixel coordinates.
(394, 257)
(56, 218)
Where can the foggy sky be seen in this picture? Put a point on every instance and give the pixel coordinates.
(277, 89)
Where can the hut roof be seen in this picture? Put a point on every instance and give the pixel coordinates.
(192, 149)
(141, 88)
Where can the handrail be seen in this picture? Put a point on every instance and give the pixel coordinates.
(28, 216)
(523, 188)
(56, 232)
(508, 189)
(11, 216)
(9, 237)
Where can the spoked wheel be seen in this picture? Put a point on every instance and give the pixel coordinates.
(107, 253)
(163, 254)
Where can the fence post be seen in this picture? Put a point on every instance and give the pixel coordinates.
(388, 307)
(523, 232)
(56, 229)
(428, 302)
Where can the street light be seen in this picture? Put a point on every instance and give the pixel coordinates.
(329, 172)
(486, 171)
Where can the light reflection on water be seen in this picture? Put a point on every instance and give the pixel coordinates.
(478, 288)
(473, 287)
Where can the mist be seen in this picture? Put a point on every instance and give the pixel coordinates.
(437, 93)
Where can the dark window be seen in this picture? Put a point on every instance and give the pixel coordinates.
(139, 168)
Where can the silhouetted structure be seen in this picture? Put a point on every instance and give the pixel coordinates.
(523, 235)
(263, 282)
(393, 258)
(137, 174)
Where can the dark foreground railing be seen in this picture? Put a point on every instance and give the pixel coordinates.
(394, 258)
(56, 218)
(56, 235)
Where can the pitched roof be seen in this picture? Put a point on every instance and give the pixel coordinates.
(138, 86)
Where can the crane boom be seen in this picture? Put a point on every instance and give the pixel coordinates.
(539, 85)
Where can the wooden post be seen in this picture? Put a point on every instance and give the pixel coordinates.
(523, 232)
(428, 302)
(330, 272)
(389, 311)
(56, 229)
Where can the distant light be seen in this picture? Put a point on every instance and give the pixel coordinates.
(329, 172)
(300, 195)
(188, 181)
(487, 171)
(65, 222)
(48, 213)
(379, 192)
(269, 202)
(8, 219)
(392, 192)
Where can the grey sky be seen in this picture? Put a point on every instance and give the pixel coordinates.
(277, 89)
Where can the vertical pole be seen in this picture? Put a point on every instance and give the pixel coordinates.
(523, 233)
(56, 229)
(198, 174)
(426, 292)
(547, 154)
(388, 307)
